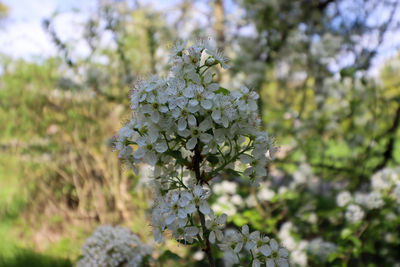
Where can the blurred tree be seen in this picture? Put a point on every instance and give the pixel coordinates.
(137, 35)
(310, 59)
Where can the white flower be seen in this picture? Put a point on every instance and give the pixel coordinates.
(256, 263)
(385, 179)
(223, 204)
(186, 233)
(215, 225)
(343, 198)
(279, 255)
(112, 246)
(231, 245)
(261, 242)
(396, 193)
(237, 200)
(177, 49)
(354, 213)
(374, 200)
(225, 187)
(299, 257)
(200, 196)
(176, 207)
(183, 122)
(223, 112)
(247, 100)
(248, 240)
(219, 57)
(251, 201)
(321, 248)
(361, 198)
(148, 149)
(257, 168)
(195, 133)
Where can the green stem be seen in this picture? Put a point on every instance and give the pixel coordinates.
(220, 168)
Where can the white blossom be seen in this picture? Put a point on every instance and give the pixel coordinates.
(354, 213)
(343, 198)
(216, 225)
(110, 246)
(190, 129)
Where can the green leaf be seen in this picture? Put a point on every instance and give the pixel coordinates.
(168, 255)
(356, 241)
(177, 155)
(232, 172)
(222, 90)
(212, 159)
(347, 72)
(239, 220)
(333, 256)
(345, 233)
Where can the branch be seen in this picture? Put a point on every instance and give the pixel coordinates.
(391, 132)
(197, 158)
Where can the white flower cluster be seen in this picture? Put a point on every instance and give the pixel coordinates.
(228, 200)
(299, 249)
(175, 210)
(264, 251)
(386, 182)
(321, 249)
(188, 112)
(343, 198)
(110, 246)
(304, 176)
(191, 129)
(354, 213)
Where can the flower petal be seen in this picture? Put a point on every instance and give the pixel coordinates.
(182, 124)
(191, 143)
(265, 250)
(283, 252)
(192, 120)
(206, 104)
(270, 263)
(212, 237)
(245, 229)
(274, 245)
(205, 125)
(161, 147)
(204, 207)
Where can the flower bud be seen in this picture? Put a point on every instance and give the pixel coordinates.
(210, 61)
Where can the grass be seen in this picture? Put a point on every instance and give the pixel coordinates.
(10, 203)
(28, 258)
(12, 253)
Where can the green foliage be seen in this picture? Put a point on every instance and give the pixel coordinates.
(24, 258)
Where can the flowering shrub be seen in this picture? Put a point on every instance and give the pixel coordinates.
(191, 130)
(113, 247)
(326, 223)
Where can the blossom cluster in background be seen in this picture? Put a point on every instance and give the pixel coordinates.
(313, 202)
(384, 188)
(110, 246)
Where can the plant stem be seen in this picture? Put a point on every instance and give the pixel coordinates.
(207, 249)
(196, 160)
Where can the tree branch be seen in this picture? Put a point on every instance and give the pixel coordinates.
(391, 132)
(196, 160)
